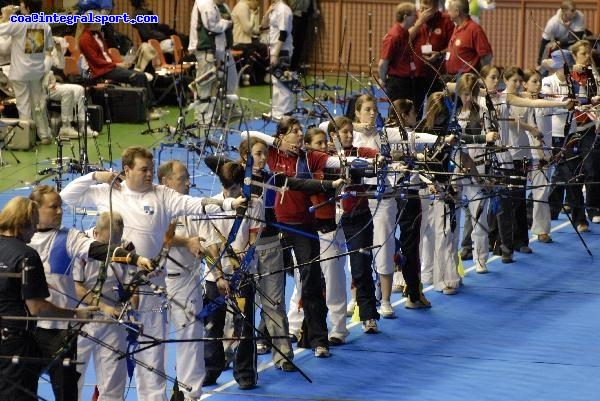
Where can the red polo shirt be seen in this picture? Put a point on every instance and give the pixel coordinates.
(435, 32)
(470, 43)
(395, 48)
(294, 208)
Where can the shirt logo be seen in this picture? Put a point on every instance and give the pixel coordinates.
(457, 42)
(148, 210)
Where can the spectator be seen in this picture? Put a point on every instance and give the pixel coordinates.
(29, 60)
(566, 27)
(246, 29)
(469, 47)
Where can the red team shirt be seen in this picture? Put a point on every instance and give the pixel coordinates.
(471, 44)
(395, 48)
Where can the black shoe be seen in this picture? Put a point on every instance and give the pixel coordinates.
(209, 380)
(335, 341)
(286, 366)
(466, 254)
(507, 257)
(246, 384)
(293, 338)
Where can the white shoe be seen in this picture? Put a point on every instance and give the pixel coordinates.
(449, 291)
(350, 308)
(67, 132)
(596, 219)
(386, 311)
(370, 326)
(480, 267)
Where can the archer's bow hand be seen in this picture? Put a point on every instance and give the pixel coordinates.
(240, 201)
(223, 286)
(146, 264)
(194, 246)
(86, 312)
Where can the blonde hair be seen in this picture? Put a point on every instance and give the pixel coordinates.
(17, 215)
(104, 221)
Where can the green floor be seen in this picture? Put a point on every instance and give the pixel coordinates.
(25, 173)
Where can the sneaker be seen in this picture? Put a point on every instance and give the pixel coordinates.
(398, 282)
(322, 352)
(46, 141)
(262, 348)
(335, 341)
(480, 267)
(286, 366)
(449, 291)
(246, 383)
(154, 115)
(386, 311)
(91, 133)
(583, 228)
(420, 303)
(566, 209)
(350, 307)
(596, 219)
(370, 326)
(545, 238)
(67, 132)
(524, 249)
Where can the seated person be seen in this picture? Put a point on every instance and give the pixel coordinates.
(71, 97)
(101, 66)
(160, 32)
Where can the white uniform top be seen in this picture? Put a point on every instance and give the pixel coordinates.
(542, 118)
(28, 46)
(212, 21)
(146, 215)
(256, 214)
(557, 90)
(371, 139)
(187, 227)
(556, 30)
(281, 19)
(60, 276)
(246, 23)
(85, 271)
(503, 112)
(517, 136)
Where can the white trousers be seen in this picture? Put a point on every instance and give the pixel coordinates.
(478, 209)
(71, 99)
(111, 374)
(153, 317)
(540, 193)
(439, 256)
(384, 223)
(31, 106)
(283, 99)
(189, 362)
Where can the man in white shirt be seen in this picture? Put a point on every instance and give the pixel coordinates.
(147, 211)
(29, 59)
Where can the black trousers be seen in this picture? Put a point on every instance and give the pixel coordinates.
(19, 382)
(358, 230)
(314, 326)
(63, 379)
(410, 237)
(244, 365)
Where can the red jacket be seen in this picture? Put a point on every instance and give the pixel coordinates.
(94, 55)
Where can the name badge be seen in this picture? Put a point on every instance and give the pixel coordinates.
(426, 49)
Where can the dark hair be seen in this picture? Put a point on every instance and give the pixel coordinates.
(137, 3)
(230, 174)
(34, 6)
(511, 71)
(312, 132)
(403, 10)
(530, 72)
(402, 106)
(487, 69)
(338, 123)
(246, 146)
(285, 125)
(364, 98)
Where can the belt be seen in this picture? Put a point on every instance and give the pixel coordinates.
(173, 274)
